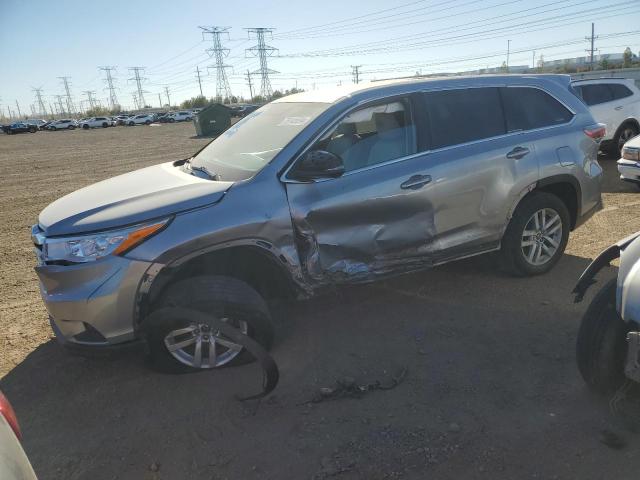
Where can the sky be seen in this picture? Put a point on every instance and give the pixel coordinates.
(317, 42)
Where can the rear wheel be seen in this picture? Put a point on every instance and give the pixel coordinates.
(131, 124)
(172, 120)
(179, 345)
(536, 236)
(105, 124)
(32, 130)
(71, 127)
(147, 122)
(85, 127)
(601, 348)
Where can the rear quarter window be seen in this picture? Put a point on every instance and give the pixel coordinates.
(620, 91)
(595, 94)
(527, 108)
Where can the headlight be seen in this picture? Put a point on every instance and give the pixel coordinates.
(631, 153)
(87, 248)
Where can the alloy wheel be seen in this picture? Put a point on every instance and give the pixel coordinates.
(201, 346)
(541, 236)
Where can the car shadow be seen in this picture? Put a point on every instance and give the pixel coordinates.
(612, 182)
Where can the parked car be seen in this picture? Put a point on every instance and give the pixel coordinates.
(96, 122)
(121, 119)
(244, 110)
(14, 464)
(166, 117)
(321, 188)
(629, 164)
(143, 119)
(183, 116)
(608, 344)
(37, 122)
(66, 124)
(616, 103)
(19, 127)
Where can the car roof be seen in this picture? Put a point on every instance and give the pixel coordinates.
(603, 80)
(333, 94)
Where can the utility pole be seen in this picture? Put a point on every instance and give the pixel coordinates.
(592, 39)
(139, 80)
(41, 108)
(533, 60)
(166, 92)
(18, 107)
(508, 52)
(160, 100)
(70, 106)
(218, 52)
(113, 100)
(90, 99)
(250, 84)
(199, 81)
(262, 51)
(355, 73)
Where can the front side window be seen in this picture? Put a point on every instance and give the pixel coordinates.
(527, 108)
(250, 144)
(464, 115)
(372, 135)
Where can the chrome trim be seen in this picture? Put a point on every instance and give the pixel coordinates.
(284, 176)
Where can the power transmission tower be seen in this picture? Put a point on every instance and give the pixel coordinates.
(135, 100)
(51, 110)
(40, 102)
(70, 106)
(355, 73)
(61, 109)
(90, 99)
(199, 81)
(592, 39)
(250, 84)
(18, 107)
(113, 100)
(33, 109)
(139, 80)
(218, 52)
(262, 51)
(160, 100)
(166, 92)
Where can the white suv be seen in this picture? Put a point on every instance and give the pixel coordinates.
(614, 102)
(182, 116)
(143, 119)
(96, 122)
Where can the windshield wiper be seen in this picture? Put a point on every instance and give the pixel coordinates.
(202, 169)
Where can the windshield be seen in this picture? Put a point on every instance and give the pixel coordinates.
(250, 144)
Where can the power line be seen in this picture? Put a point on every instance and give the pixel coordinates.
(139, 80)
(113, 99)
(218, 52)
(262, 51)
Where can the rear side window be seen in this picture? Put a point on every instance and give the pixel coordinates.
(596, 93)
(528, 108)
(465, 115)
(620, 91)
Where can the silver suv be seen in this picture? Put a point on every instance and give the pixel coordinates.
(317, 189)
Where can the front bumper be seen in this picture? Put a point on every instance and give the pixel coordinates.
(629, 170)
(92, 304)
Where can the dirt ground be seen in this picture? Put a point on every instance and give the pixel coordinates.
(491, 389)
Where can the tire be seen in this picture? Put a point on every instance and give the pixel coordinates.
(85, 127)
(131, 124)
(33, 130)
(624, 133)
(105, 124)
(71, 127)
(53, 129)
(601, 347)
(172, 120)
(512, 251)
(212, 294)
(147, 122)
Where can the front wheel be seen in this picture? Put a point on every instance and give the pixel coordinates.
(601, 348)
(71, 127)
(626, 132)
(178, 345)
(131, 124)
(536, 236)
(85, 127)
(105, 125)
(147, 122)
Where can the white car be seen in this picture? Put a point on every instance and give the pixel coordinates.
(629, 164)
(183, 116)
(96, 122)
(66, 124)
(614, 102)
(143, 119)
(14, 464)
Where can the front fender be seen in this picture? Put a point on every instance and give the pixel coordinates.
(628, 285)
(603, 260)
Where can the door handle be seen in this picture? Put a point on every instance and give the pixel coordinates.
(415, 182)
(619, 107)
(518, 153)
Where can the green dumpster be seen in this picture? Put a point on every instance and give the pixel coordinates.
(212, 120)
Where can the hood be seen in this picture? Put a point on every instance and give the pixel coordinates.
(131, 198)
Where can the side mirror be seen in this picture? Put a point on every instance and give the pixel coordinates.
(318, 164)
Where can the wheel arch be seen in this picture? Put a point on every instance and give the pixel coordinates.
(628, 121)
(255, 265)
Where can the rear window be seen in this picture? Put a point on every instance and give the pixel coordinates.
(465, 115)
(527, 108)
(595, 94)
(620, 91)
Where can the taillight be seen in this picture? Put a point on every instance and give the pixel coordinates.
(7, 412)
(596, 131)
